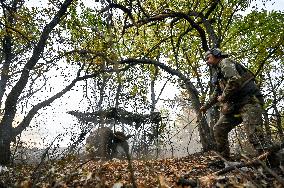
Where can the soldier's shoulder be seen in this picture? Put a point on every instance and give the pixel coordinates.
(227, 62)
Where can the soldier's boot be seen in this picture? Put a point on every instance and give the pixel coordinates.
(224, 149)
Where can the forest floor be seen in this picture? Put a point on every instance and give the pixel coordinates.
(196, 170)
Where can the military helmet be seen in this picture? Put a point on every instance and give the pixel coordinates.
(216, 52)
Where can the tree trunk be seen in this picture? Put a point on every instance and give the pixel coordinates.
(266, 126)
(5, 140)
(207, 141)
(206, 138)
(5, 153)
(278, 122)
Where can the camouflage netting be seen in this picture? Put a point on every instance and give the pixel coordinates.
(119, 115)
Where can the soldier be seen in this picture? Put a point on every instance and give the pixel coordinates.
(239, 98)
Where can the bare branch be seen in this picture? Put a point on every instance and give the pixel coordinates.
(121, 7)
(211, 8)
(26, 121)
(277, 46)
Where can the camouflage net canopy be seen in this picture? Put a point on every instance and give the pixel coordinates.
(118, 115)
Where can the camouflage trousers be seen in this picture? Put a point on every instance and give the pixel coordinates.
(251, 116)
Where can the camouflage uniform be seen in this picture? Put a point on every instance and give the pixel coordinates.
(241, 103)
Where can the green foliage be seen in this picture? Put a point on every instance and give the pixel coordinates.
(256, 35)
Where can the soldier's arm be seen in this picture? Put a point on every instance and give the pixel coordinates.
(234, 80)
(213, 98)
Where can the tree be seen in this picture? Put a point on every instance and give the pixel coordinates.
(21, 36)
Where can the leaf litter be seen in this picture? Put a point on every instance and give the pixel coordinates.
(190, 171)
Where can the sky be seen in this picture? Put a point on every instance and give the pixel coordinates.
(275, 5)
(54, 120)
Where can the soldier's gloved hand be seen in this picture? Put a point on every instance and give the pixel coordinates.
(203, 109)
(220, 98)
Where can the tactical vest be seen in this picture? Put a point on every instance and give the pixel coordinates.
(248, 89)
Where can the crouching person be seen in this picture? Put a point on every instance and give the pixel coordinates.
(105, 144)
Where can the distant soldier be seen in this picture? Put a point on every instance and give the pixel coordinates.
(239, 98)
(105, 144)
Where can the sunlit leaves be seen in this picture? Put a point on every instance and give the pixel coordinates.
(257, 35)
